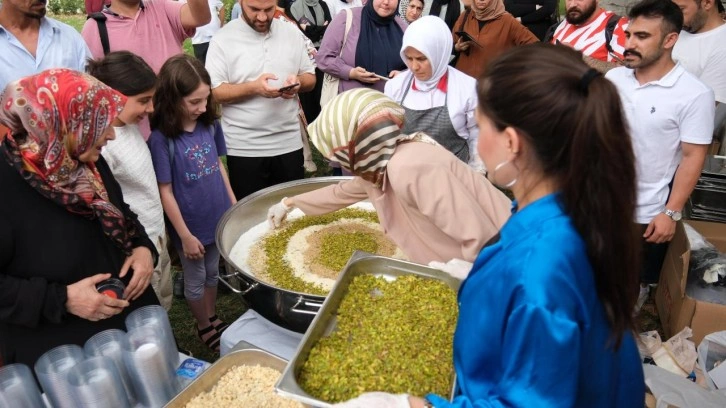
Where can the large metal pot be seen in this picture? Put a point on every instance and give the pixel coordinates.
(286, 308)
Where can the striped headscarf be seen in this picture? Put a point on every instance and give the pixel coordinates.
(360, 129)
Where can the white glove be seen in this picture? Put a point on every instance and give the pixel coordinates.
(377, 400)
(277, 213)
(457, 268)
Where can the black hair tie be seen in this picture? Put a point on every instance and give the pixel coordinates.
(587, 77)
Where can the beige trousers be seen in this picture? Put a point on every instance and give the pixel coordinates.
(161, 279)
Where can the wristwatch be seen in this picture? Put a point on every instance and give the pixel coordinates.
(675, 215)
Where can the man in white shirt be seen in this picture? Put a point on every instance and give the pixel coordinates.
(258, 64)
(701, 46)
(670, 114)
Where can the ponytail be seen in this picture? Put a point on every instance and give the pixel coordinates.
(572, 118)
(599, 193)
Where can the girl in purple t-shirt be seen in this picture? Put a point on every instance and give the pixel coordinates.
(186, 144)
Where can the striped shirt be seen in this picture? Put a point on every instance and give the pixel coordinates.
(590, 38)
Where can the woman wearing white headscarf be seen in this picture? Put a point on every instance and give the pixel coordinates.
(438, 99)
(433, 206)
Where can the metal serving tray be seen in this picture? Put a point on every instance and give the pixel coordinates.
(246, 354)
(361, 263)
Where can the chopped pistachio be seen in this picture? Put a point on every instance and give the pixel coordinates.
(390, 336)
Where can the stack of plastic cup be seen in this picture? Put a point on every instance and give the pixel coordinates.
(151, 370)
(96, 383)
(52, 371)
(108, 344)
(18, 388)
(155, 317)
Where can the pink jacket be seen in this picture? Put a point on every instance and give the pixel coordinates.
(432, 205)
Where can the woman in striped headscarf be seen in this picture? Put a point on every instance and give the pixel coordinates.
(431, 204)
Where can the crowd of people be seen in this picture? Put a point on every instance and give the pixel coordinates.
(111, 145)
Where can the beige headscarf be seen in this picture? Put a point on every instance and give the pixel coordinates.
(360, 129)
(493, 9)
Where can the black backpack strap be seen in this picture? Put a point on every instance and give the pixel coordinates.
(550, 33)
(609, 30)
(102, 31)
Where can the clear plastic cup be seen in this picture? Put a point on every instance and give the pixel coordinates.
(96, 383)
(52, 369)
(18, 388)
(151, 371)
(155, 317)
(109, 343)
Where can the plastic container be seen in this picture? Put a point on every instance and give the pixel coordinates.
(52, 370)
(112, 288)
(18, 388)
(151, 371)
(155, 318)
(96, 383)
(109, 343)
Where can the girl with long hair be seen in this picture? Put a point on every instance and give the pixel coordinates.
(186, 146)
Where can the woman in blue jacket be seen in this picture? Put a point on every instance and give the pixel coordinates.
(546, 313)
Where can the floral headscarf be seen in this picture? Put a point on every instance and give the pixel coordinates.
(360, 129)
(54, 117)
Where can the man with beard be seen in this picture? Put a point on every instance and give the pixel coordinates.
(701, 46)
(258, 64)
(31, 42)
(584, 29)
(153, 30)
(670, 114)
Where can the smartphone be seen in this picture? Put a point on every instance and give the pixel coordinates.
(385, 78)
(288, 88)
(467, 37)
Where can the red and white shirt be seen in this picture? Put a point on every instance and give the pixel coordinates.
(590, 38)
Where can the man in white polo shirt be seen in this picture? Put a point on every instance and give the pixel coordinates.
(670, 114)
(258, 64)
(701, 47)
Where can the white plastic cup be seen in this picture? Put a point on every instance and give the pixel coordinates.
(151, 371)
(52, 370)
(96, 383)
(18, 388)
(156, 318)
(109, 343)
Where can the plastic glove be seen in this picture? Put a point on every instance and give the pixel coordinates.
(377, 400)
(457, 268)
(277, 213)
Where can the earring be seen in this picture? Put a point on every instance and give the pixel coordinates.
(499, 167)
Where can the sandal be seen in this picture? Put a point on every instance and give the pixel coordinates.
(212, 341)
(221, 327)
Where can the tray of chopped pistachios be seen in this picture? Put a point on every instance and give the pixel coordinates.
(387, 325)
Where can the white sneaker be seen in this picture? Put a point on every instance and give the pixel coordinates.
(310, 166)
(642, 297)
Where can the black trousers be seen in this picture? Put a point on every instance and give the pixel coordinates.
(200, 51)
(251, 174)
(653, 256)
(310, 101)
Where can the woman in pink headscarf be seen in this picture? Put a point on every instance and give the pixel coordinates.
(64, 226)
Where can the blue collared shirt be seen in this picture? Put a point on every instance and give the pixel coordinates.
(59, 46)
(532, 331)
